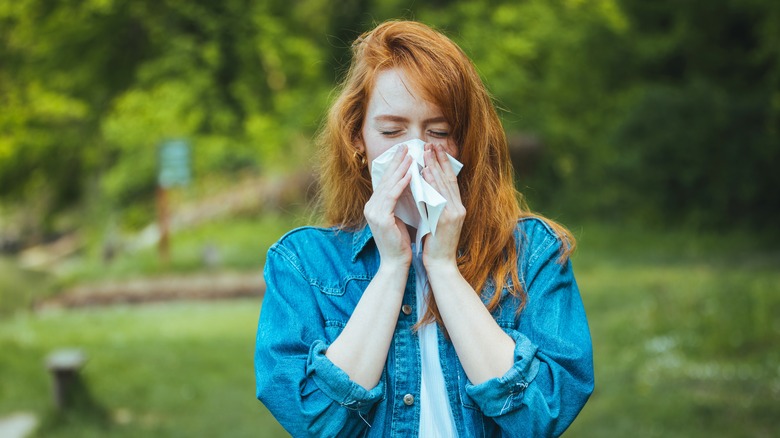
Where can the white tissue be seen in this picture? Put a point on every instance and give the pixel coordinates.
(420, 205)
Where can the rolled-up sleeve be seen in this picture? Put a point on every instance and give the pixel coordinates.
(501, 395)
(552, 377)
(303, 389)
(336, 384)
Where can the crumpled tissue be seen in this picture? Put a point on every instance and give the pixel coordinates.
(420, 205)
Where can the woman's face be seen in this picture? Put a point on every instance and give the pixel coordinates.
(397, 112)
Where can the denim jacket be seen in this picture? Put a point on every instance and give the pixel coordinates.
(315, 277)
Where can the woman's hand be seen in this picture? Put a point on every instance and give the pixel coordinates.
(441, 250)
(390, 233)
(361, 348)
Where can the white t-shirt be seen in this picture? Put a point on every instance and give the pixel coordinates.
(436, 418)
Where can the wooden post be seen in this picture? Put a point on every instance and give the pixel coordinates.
(64, 366)
(162, 223)
(174, 170)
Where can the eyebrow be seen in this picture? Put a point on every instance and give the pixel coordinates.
(392, 118)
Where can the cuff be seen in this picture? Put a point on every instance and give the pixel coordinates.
(504, 394)
(335, 383)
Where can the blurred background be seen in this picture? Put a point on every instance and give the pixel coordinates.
(151, 151)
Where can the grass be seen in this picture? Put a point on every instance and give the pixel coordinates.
(686, 334)
(19, 288)
(240, 244)
(167, 370)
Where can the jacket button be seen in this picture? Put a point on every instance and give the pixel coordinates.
(407, 309)
(408, 399)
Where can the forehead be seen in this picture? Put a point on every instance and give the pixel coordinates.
(395, 94)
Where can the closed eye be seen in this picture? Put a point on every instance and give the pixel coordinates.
(439, 134)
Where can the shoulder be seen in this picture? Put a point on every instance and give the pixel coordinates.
(302, 236)
(323, 257)
(307, 247)
(536, 231)
(537, 236)
(311, 239)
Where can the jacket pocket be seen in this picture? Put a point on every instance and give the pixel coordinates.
(333, 329)
(349, 284)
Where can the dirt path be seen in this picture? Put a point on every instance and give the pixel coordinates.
(200, 286)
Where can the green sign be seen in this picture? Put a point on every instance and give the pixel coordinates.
(174, 159)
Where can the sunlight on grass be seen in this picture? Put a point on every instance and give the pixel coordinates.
(180, 369)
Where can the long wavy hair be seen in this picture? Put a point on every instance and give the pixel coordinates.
(446, 76)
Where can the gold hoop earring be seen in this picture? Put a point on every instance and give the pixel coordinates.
(360, 158)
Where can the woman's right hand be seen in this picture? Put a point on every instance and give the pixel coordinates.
(361, 348)
(390, 233)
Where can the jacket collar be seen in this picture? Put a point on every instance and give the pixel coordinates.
(359, 241)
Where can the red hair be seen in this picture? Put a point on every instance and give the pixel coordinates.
(440, 70)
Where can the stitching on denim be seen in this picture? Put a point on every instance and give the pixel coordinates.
(291, 259)
(549, 236)
(360, 414)
(335, 323)
(338, 289)
(507, 403)
(539, 221)
(550, 241)
(305, 228)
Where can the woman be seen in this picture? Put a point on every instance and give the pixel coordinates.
(482, 332)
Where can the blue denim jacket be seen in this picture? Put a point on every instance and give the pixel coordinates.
(315, 277)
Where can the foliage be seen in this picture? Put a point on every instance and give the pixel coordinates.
(91, 88)
(704, 110)
(665, 111)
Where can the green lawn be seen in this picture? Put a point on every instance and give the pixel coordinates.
(686, 332)
(167, 370)
(240, 244)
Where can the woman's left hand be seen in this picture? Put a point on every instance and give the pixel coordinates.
(441, 249)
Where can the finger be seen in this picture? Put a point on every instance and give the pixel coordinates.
(433, 173)
(394, 193)
(391, 193)
(384, 198)
(395, 161)
(444, 162)
(427, 171)
(436, 175)
(395, 172)
(450, 180)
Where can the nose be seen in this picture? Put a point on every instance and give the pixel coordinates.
(415, 132)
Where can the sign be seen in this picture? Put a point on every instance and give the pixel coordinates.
(174, 163)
